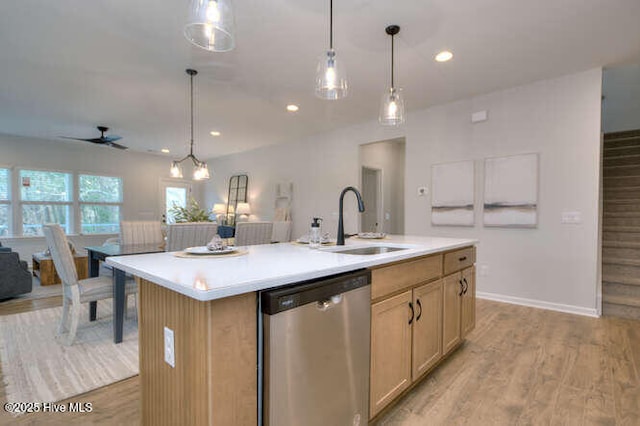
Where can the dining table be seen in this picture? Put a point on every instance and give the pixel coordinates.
(96, 254)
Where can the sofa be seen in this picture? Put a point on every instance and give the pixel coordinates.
(15, 278)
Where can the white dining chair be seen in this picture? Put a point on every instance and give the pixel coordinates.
(252, 233)
(281, 231)
(75, 291)
(190, 234)
(141, 232)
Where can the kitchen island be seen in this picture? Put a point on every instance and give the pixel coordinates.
(210, 306)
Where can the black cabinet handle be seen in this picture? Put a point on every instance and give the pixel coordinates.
(419, 313)
(461, 288)
(412, 313)
(462, 259)
(466, 285)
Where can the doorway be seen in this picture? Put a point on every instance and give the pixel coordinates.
(372, 194)
(173, 193)
(382, 169)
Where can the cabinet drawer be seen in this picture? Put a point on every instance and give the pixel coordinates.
(459, 259)
(392, 278)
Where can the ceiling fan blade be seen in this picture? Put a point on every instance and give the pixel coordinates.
(75, 139)
(112, 138)
(116, 145)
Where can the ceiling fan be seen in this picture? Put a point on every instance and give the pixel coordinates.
(102, 140)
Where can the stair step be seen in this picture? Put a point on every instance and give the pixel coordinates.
(625, 134)
(620, 261)
(621, 300)
(621, 236)
(621, 214)
(620, 279)
(625, 229)
(620, 244)
(621, 181)
(615, 171)
(617, 289)
(620, 221)
(624, 160)
(620, 206)
(611, 151)
(620, 252)
(621, 311)
(617, 271)
(621, 194)
(623, 188)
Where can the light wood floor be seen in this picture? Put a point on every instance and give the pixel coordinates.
(520, 366)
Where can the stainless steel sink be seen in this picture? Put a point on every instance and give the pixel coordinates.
(368, 250)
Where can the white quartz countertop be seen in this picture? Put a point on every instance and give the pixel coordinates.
(270, 265)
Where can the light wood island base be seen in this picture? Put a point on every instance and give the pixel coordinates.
(215, 376)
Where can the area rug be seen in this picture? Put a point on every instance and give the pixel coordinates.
(37, 367)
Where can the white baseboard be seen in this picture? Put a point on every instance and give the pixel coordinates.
(570, 309)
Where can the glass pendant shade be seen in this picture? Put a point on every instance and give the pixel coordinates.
(201, 172)
(176, 170)
(211, 25)
(331, 78)
(392, 108)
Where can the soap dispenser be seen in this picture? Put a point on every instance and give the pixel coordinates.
(315, 235)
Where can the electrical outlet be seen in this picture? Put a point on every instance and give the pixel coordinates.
(483, 270)
(169, 347)
(422, 191)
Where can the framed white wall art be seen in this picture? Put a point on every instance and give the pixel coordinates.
(452, 194)
(511, 191)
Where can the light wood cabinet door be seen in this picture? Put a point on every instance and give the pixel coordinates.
(390, 350)
(427, 327)
(452, 288)
(468, 314)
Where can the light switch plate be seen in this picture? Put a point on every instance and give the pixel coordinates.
(571, 217)
(169, 347)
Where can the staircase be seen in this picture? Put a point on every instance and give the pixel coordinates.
(621, 225)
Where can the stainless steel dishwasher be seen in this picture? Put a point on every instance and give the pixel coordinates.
(316, 352)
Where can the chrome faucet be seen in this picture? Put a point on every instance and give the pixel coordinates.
(340, 241)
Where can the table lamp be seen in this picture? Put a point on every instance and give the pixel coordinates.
(243, 209)
(220, 209)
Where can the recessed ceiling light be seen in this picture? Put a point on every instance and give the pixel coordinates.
(292, 108)
(165, 150)
(214, 133)
(444, 56)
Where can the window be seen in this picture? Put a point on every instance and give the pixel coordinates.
(5, 203)
(100, 200)
(45, 197)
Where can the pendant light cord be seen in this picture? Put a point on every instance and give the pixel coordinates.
(191, 146)
(331, 24)
(392, 36)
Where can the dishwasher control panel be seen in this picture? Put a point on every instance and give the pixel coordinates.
(283, 299)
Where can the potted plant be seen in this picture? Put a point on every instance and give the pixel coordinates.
(191, 213)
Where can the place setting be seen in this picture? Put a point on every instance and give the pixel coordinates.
(215, 248)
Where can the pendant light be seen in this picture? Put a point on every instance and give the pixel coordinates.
(211, 25)
(392, 105)
(200, 169)
(331, 79)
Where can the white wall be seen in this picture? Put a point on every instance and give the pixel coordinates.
(553, 265)
(141, 175)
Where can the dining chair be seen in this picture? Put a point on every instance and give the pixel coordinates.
(252, 233)
(281, 232)
(190, 234)
(75, 291)
(141, 232)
